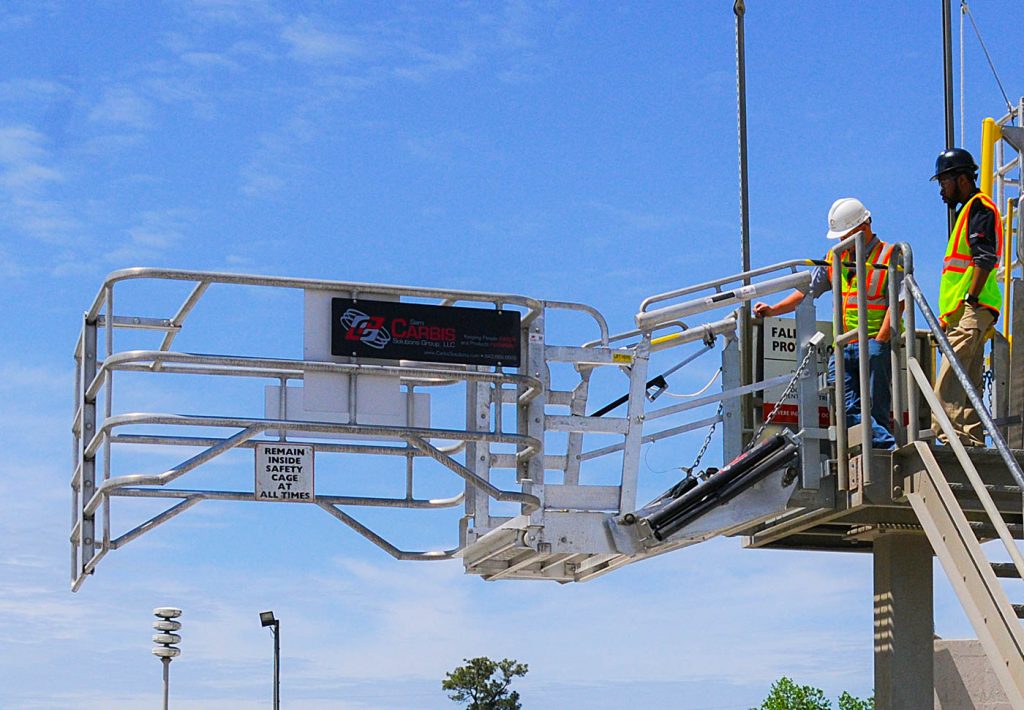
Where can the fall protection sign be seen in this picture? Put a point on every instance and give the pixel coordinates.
(284, 472)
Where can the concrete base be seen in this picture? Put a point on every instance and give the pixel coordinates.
(964, 679)
(903, 622)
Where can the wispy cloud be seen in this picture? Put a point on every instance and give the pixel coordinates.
(122, 106)
(154, 233)
(311, 43)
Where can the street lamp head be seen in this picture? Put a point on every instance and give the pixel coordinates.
(267, 618)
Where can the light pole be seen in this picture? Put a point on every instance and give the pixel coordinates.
(165, 636)
(267, 619)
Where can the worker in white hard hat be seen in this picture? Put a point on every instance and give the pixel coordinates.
(846, 217)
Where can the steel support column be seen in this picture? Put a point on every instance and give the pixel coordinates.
(904, 622)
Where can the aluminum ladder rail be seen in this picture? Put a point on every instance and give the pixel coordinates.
(973, 576)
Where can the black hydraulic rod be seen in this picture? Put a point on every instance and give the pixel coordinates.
(741, 464)
(782, 458)
(658, 382)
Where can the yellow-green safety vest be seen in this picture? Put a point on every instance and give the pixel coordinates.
(958, 267)
(877, 296)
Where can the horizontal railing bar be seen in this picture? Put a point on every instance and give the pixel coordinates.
(304, 284)
(530, 444)
(283, 366)
(718, 396)
(138, 322)
(656, 436)
(790, 265)
(588, 425)
(645, 320)
(365, 501)
(321, 447)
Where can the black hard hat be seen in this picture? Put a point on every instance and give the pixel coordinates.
(954, 160)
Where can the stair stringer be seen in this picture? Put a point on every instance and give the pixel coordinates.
(968, 569)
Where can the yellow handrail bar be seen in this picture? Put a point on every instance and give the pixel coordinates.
(990, 134)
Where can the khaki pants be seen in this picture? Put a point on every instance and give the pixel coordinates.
(966, 330)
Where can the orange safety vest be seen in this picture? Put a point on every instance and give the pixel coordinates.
(876, 296)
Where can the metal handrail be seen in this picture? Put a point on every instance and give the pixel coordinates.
(214, 277)
(961, 374)
(918, 385)
(246, 366)
(716, 284)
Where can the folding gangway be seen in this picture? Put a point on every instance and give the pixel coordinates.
(478, 411)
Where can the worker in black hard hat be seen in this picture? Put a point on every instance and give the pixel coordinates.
(969, 298)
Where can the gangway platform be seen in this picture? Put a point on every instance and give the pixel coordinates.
(399, 384)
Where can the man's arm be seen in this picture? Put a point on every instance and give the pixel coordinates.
(786, 305)
(819, 285)
(981, 237)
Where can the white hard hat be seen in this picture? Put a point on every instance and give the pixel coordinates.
(846, 214)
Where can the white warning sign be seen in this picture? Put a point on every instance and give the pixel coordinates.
(284, 472)
(780, 358)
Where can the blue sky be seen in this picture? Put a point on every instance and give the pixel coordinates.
(568, 151)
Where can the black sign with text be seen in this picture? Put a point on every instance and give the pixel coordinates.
(412, 331)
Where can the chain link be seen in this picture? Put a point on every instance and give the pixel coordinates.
(786, 393)
(704, 447)
(987, 378)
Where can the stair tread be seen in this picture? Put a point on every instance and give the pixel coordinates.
(1005, 569)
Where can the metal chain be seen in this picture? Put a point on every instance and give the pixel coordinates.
(987, 378)
(707, 442)
(786, 393)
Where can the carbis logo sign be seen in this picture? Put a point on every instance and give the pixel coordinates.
(413, 331)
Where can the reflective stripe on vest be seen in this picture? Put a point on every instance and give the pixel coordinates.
(876, 296)
(958, 267)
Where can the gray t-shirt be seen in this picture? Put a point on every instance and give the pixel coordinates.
(820, 282)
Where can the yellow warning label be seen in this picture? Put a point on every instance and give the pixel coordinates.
(622, 358)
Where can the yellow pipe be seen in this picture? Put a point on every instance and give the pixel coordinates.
(1007, 265)
(990, 133)
(665, 338)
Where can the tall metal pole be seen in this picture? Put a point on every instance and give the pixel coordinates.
(739, 8)
(947, 70)
(167, 682)
(277, 664)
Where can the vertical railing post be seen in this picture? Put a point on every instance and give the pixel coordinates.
(108, 404)
(894, 278)
(732, 413)
(910, 345)
(87, 528)
(839, 367)
(76, 455)
(635, 417)
(863, 356)
(479, 397)
(807, 396)
(531, 415)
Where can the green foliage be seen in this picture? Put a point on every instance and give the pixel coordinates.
(484, 684)
(787, 695)
(849, 702)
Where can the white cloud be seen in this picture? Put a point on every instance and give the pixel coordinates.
(30, 89)
(121, 105)
(310, 43)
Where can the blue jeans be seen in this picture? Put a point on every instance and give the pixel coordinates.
(880, 368)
